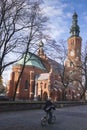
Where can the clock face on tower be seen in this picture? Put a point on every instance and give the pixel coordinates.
(72, 53)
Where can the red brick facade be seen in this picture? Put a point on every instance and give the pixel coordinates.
(36, 83)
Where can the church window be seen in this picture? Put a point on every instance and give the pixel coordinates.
(72, 43)
(45, 85)
(71, 64)
(26, 84)
(69, 91)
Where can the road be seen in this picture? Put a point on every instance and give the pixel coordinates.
(69, 118)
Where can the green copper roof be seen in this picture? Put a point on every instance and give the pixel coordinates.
(74, 28)
(32, 60)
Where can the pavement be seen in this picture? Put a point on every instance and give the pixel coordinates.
(68, 118)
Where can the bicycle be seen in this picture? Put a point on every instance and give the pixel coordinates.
(45, 121)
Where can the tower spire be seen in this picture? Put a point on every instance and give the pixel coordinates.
(41, 51)
(74, 28)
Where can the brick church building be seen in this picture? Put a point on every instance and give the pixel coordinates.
(41, 79)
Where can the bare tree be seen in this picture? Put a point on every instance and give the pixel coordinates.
(10, 14)
(21, 26)
(17, 17)
(60, 54)
(35, 27)
(78, 73)
(67, 74)
(83, 69)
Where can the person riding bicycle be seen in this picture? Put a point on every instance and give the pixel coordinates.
(48, 109)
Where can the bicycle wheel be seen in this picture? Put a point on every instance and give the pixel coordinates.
(53, 120)
(43, 121)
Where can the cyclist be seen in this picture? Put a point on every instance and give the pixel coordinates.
(48, 109)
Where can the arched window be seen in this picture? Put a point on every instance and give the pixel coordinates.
(45, 85)
(71, 64)
(69, 91)
(26, 84)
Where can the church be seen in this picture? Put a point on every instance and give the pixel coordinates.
(41, 80)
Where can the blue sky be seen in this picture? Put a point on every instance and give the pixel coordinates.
(60, 14)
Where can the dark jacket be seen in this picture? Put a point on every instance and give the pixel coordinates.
(48, 106)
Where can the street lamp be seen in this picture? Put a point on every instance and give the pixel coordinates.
(41, 89)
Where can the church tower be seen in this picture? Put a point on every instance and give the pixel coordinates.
(74, 42)
(73, 61)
